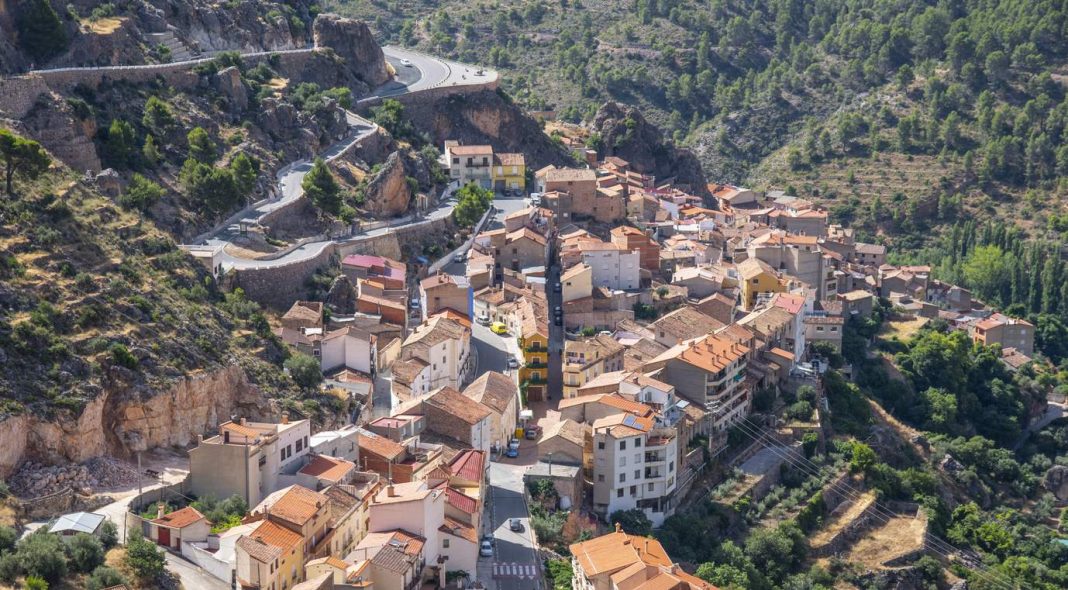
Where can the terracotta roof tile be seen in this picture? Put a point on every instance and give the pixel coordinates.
(456, 404)
(328, 468)
(468, 464)
(297, 505)
(179, 518)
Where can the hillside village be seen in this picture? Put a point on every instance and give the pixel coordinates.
(637, 325)
(436, 343)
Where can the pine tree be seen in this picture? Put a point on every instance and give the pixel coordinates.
(321, 188)
(40, 33)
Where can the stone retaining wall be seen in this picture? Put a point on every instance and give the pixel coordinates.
(19, 93)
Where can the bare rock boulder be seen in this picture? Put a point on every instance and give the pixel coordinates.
(342, 296)
(1056, 481)
(352, 41)
(228, 83)
(388, 193)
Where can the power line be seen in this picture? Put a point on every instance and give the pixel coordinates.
(935, 544)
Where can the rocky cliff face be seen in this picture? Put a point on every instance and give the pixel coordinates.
(485, 117)
(120, 422)
(388, 193)
(626, 134)
(353, 42)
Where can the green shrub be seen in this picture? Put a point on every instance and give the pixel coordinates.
(40, 33)
(305, 370)
(122, 356)
(8, 537)
(104, 577)
(86, 552)
(42, 554)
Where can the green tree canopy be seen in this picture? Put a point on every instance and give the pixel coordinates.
(21, 157)
(40, 32)
(201, 147)
(304, 369)
(321, 188)
(141, 193)
(471, 203)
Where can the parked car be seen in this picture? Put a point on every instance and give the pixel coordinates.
(559, 321)
(532, 432)
(556, 287)
(499, 328)
(512, 363)
(512, 452)
(486, 549)
(483, 318)
(558, 310)
(458, 257)
(515, 524)
(414, 303)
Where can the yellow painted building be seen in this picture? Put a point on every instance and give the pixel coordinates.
(756, 278)
(534, 366)
(509, 171)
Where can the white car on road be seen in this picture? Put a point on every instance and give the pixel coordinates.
(406, 63)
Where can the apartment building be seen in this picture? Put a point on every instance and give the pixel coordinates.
(499, 393)
(441, 292)
(587, 358)
(470, 163)
(630, 238)
(248, 458)
(710, 372)
(611, 266)
(634, 466)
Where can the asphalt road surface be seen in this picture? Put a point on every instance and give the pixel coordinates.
(514, 565)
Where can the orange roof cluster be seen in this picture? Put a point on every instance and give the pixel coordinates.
(269, 540)
(297, 505)
(640, 563)
(714, 353)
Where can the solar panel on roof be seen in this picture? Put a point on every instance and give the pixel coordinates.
(630, 420)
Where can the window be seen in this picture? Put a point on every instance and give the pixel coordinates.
(622, 461)
(637, 457)
(282, 455)
(622, 477)
(651, 486)
(619, 493)
(445, 543)
(622, 445)
(600, 477)
(300, 445)
(637, 474)
(819, 328)
(633, 490)
(671, 466)
(600, 445)
(456, 160)
(637, 442)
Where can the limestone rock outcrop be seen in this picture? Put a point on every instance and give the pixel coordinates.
(119, 422)
(626, 134)
(342, 296)
(1056, 481)
(388, 193)
(353, 42)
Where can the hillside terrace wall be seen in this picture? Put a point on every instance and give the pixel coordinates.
(19, 93)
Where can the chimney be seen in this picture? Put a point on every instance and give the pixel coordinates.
(241, 422)
(390, 491)
(200, 439)
(161, 509)
(619, 528)
(285, 417)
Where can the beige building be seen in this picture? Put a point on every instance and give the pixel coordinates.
(709, 372)
(436, 354)
(635, 466)
(576, 282)
(499, 393)
(441, 292)
(618, 561)
(587, 358)
(1005, 332)
(248, 458)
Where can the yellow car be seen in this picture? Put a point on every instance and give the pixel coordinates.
(499, 328)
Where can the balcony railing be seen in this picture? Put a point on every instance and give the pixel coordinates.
(654, 458)
(535, 365)
(533, 380)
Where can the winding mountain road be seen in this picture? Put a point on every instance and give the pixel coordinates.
(415, 72)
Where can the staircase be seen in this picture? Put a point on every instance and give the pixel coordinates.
(179, 50)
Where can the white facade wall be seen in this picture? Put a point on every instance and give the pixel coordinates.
(614, 269)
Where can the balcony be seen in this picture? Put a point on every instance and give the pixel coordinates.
(535, 365)
(653, 473)
(655, 458)
(534, 380)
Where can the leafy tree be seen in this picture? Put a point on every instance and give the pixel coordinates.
(472, 201)
(862, 457)
(21, 156)
(109, 534)
(151, 152)
(40, 33)
(86, 552)
(212, 187)
(559, 573)
(201, 147)
(304, 369)
(36, 583)
(42, 554)
(776, 551)
(141, 194)
(321, 188)
(120, 144)
(143, 557)
(245, 171)
(158, 117)
(633, 521)
(10, 568)
(390, 115)
(104, 577)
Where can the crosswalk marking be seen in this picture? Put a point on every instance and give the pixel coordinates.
(515, 570)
